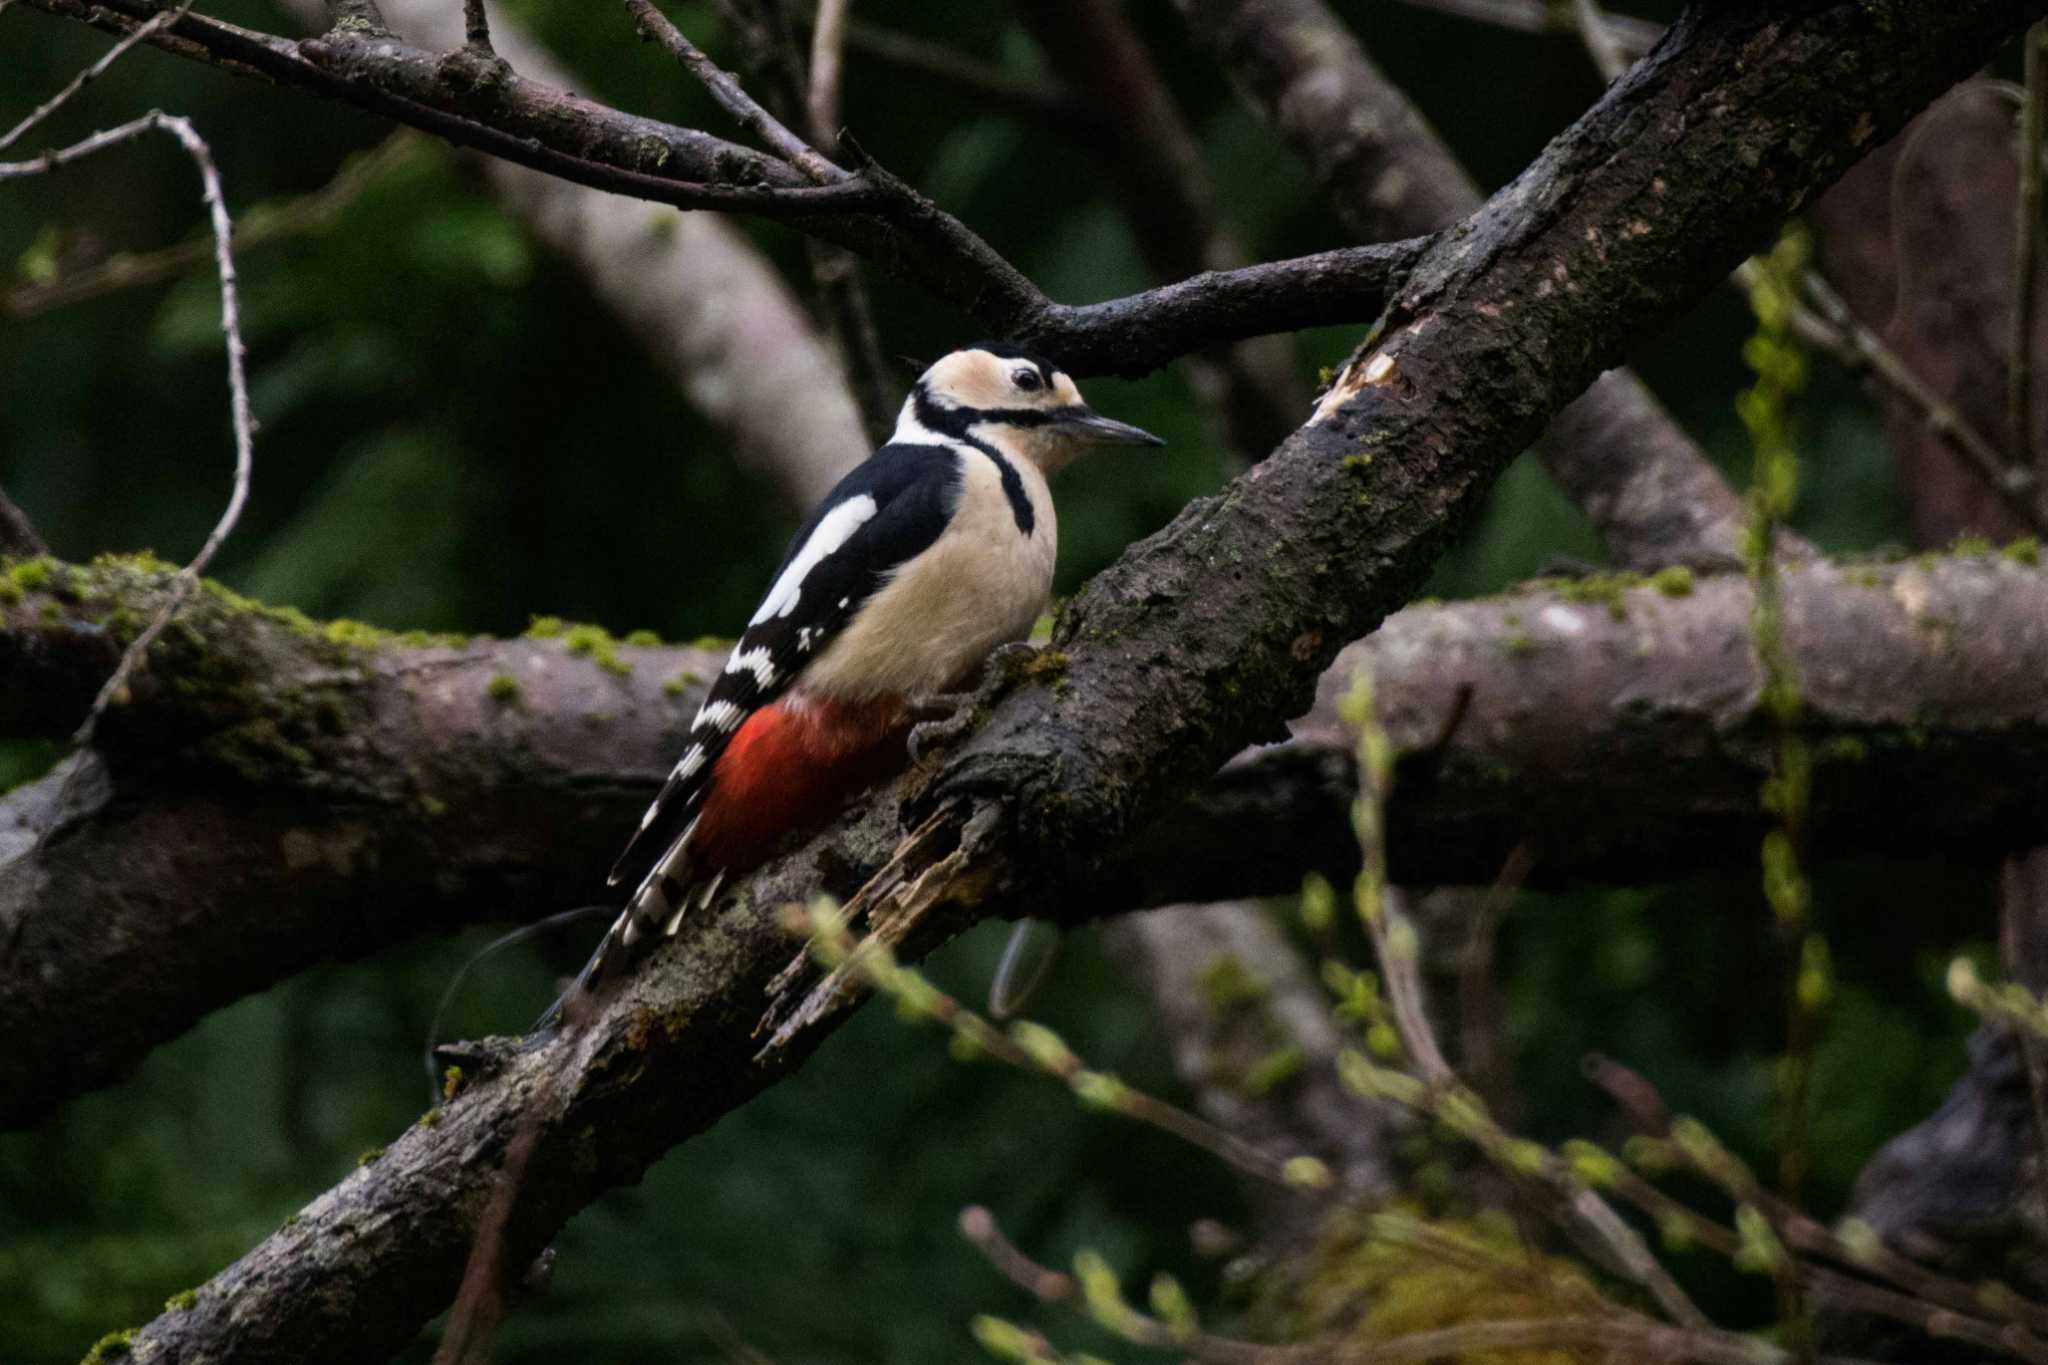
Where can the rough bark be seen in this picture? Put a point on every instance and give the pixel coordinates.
(1200, 640)
(1648, 489)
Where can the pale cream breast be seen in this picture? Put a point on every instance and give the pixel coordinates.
(982, 583)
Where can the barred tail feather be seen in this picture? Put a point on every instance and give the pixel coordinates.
(654, 912)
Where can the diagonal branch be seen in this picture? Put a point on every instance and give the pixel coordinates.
(732, 97)
(1650, 491)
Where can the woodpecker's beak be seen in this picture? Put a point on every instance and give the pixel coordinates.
(1086, 424)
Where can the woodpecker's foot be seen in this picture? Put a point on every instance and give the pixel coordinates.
(944, 718)
(941, 721)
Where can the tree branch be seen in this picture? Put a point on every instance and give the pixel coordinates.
(877, 216)
(1199, 641)
(235, 823)
(690, 287)
(1649, 490)
(1154, 167)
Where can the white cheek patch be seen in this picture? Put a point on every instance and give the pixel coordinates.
(717, 715)
(754, 661)
(833, 530)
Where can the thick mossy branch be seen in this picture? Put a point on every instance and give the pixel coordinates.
(278, 792)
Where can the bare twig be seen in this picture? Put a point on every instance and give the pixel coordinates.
(479, 1305)
(2025, 238)
(1837, 330)
(828, 54)
(1253, 393)
(1625, 1335)
(1033, 1047)
(778, 66)
(115, 687)
(141, 33)
(733, 98)
(1396, 948)
(873, 213)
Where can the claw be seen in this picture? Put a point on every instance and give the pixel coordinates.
(944, 718)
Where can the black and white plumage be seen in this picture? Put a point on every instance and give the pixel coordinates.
(922, 560)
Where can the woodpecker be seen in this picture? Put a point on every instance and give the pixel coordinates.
(921, 561)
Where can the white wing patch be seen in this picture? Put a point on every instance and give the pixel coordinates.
(717, 715)
(833, 529)
(757, 661)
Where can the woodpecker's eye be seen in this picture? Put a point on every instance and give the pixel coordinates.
(1027, 380)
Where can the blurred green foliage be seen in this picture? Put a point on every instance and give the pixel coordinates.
(455, 436)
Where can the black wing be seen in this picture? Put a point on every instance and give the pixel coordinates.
(913, 489)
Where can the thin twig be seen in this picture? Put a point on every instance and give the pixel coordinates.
(476, 28)
(733, 98)
(828, 58)
(1627, 1335)
(1395, 946)
(1833, 327)
(1032, 1047)
(1609, 39)
(1952, 1319)
(238, 393)
(142, 33)
(778, 66)
(2019, 372)
(1938, 1304)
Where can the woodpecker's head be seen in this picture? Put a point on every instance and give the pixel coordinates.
(1018, 402)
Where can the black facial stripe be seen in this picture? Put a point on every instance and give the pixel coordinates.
(954, 422)
(1023, 417)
